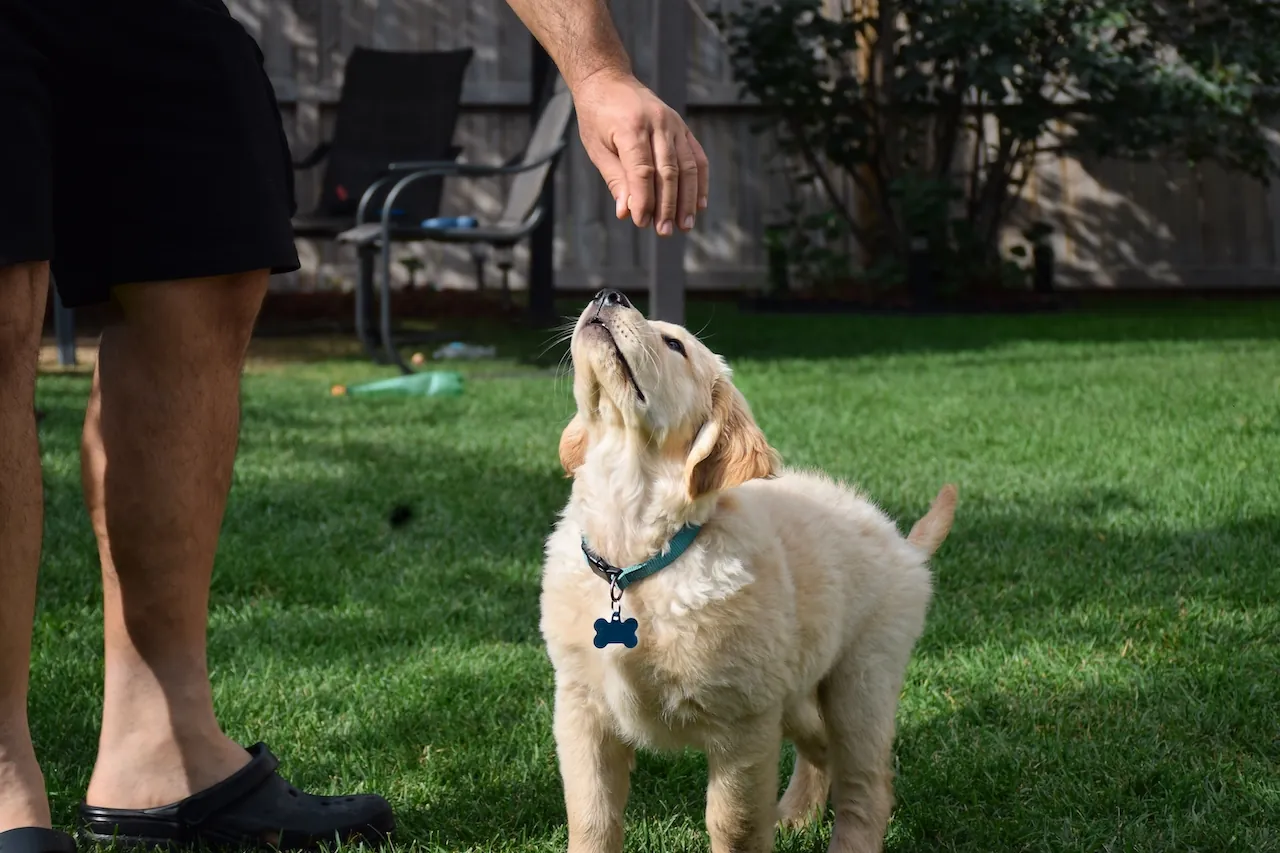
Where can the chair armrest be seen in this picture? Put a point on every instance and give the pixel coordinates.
(390, 173)
(427, 168)
(465, 170)
(423, 169)
(317, 154)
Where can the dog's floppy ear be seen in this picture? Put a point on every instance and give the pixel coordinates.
(573, 445)
(730, 449)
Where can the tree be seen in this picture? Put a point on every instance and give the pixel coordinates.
(938, 109)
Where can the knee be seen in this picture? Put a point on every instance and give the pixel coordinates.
(23, 289)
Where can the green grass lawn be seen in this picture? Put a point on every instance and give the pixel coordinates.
(1101, 668)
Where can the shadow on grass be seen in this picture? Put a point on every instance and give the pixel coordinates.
(738, 335)
(321, 556)
(1128, 748)
(488, 784)
(761, 337)
(460, 576)
(1135, 765)
(1029, 765)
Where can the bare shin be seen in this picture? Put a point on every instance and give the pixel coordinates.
(23, 290)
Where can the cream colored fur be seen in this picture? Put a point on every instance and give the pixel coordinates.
(793, 614)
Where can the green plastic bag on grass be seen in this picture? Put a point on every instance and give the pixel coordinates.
(429, 383)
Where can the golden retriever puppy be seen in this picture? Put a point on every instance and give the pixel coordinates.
(697, 594)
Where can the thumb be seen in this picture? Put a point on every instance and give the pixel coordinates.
(615, 177)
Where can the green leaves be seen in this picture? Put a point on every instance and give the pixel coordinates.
(965, 94)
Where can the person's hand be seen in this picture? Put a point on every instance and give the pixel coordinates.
(655, 169)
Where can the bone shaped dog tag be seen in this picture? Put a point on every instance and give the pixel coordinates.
(616, 630)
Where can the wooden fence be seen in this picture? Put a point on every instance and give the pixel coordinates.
(1120, 224)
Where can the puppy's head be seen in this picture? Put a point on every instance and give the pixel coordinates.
(648, 387)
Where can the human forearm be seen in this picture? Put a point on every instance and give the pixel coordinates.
(579, 35)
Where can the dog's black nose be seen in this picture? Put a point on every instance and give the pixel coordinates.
(611, 298)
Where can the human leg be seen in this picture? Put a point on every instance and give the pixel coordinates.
(22, 297)
(200, 198)
(26, 244)
(156, 458)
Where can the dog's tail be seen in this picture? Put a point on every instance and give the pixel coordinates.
(929, 532)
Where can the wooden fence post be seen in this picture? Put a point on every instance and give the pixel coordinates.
(670, 83)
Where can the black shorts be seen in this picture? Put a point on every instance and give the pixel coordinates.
(140, 140)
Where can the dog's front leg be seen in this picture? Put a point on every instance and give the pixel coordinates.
(742, 794)
(595, 768)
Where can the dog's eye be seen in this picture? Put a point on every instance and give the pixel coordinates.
(675, 346)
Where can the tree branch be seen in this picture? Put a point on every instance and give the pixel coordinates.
(949, 131)
(824, 180)
(976, 163)
(994, 187)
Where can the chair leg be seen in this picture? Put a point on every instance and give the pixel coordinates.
(506, 260)
(64, 324)
(365, 329)
(506, 285)
(478, 258)
(388, 341)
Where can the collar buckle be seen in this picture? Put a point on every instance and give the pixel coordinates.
(606, 572)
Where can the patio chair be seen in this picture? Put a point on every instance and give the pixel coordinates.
(394, 106)
(521, 214)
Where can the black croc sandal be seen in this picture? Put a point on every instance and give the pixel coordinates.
(33, 839)
(254, 808)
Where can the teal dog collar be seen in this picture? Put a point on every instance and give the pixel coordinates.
(624, 577)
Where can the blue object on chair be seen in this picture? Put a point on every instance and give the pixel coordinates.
(450, 222)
